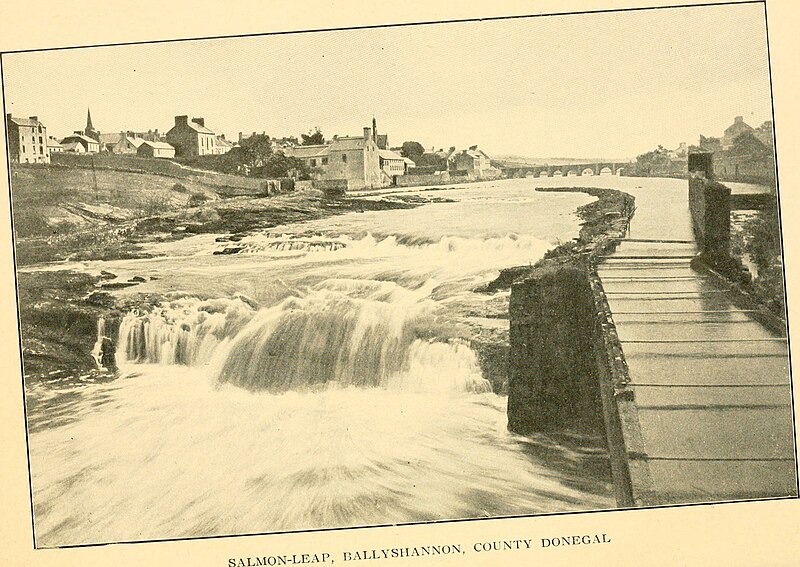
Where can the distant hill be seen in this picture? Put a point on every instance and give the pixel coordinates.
(553, 160)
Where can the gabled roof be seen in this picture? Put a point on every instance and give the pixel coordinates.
(69, 146)
(348, 143)
(53, 143)
(389, 154)
(76, 137)
(197, 128)
(110, 138)
(223, 142)
(307, 151)
(157, 145)
(25, 122)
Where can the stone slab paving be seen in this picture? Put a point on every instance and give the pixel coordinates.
(711, 383)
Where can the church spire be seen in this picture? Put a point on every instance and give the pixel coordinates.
(89, 131)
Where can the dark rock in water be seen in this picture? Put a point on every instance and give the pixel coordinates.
(138, 279)
(222, 239)
(118, 285)
(104, 275)
(236, 237)
(100, 298)
(246, 300)
(108, 359)
(230, 250)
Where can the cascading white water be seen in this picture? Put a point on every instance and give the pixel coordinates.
(97, 350)
(341, 332)
(183, 331)
(344, 393)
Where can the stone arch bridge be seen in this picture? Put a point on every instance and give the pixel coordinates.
(511, 169)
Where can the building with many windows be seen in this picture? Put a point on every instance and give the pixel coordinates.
(27, 140)
(191, 138)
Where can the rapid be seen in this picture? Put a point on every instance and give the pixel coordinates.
(328, 374)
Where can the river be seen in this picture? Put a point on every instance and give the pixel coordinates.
(324, 376)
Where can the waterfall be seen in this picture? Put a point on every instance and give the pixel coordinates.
(97, 350)
(184, 331)
(342, 332)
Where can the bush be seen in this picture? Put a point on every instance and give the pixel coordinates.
(197, 199)
(179, 188)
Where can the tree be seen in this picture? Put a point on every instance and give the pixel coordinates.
(652, 161)
(412, 150)
(314, 138)
(279, 165)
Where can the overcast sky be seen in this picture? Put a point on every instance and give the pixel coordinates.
(586, 85)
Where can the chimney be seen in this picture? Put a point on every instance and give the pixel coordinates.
(181, 120)
(367, 132)
(738, 119)
(34, 118)
(200, 121)
(241, 137)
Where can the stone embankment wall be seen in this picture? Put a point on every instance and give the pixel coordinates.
(567, 371)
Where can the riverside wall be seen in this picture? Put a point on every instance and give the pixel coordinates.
(567, 371)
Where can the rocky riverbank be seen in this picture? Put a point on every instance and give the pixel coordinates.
(609, 214)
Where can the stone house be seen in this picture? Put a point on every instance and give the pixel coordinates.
(53, 146)
(191, 138)
(27, 140)
(155, 150)
(121, 143)
(354, 159)
(475, 164)
(733, 131)
(88, 145)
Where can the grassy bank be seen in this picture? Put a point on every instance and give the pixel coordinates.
(63, 213)
(756, 244)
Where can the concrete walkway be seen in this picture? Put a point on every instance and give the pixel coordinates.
(711, 383)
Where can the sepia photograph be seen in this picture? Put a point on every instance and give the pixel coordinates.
(399, 274)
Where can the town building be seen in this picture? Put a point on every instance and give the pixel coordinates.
(27, 140)
(679, 153)
(191, 138)
(88, 145)
(120, 143)
(53, 146)
(733, 131)
(474, 164)
(354, 159)
(155, 150)
(222, 146)
(393, 164)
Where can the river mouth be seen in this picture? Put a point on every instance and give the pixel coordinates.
(330, 374)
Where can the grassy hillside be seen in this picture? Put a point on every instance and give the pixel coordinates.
(53, 200)
(81, 214)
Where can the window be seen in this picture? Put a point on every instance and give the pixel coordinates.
(344, 158)
(23, 149)
(324, 161)
(313, 163)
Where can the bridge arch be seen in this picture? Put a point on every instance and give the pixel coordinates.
(606, 171)
(587, 171)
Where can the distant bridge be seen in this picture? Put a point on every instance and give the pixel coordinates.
(512, 169)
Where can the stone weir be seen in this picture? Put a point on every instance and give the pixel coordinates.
(643, 333)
